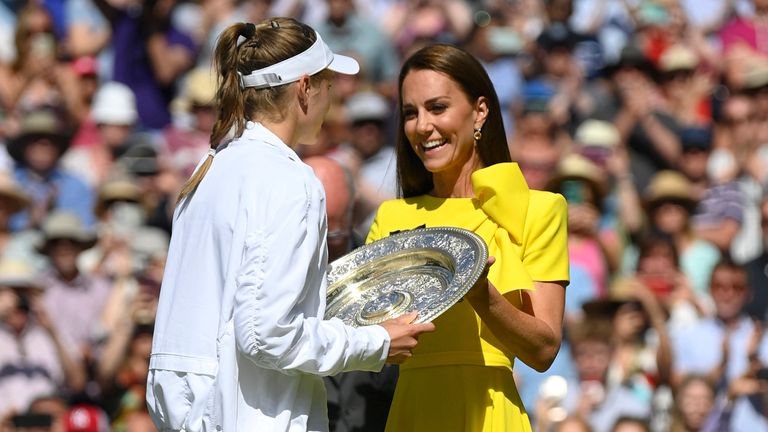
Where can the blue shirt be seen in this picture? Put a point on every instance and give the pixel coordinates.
(70, 193)
(698, 349)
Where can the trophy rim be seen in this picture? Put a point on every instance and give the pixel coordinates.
(453, 253)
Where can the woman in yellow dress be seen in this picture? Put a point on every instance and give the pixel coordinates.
(454, 169)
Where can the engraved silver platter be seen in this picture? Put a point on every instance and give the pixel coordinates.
(425, 270)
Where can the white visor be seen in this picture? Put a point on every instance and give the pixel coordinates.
(309, 62)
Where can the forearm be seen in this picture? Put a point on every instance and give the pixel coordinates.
(720, 235)
(664, 141)
(115, 350)
(74, 372)
(513, 323)
(630, 210)
(664, 350)
(168, 62)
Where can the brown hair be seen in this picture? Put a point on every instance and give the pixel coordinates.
(265, 44)
(461, 67)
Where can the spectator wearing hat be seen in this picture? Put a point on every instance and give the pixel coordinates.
(735, 343)
(369, 114)
(85, 418)
(37, 150)
(642, 360)
(720, 212)
(584, 186)
(114, 113)
(590, 394)
(735, 157)
(86, 70)
(75, 299)
(185, 141)
(684, 85)
(158, 181)
(121, 213)
(13, 199)
(670, 204)
(600, 143)
(37, 359)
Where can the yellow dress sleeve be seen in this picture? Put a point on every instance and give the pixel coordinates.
(374, 233)
(546, 238)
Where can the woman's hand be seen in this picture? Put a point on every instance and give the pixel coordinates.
(404, 336)
(479, 296)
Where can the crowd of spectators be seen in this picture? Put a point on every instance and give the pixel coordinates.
(649, 116)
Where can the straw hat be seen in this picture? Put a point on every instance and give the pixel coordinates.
(668, 186)
(62, 225)
(40, 124)
(756, 76)
(10, 190)
(577, 167)
(15, 273)
(678, 58)
(597, 133)
(199, 90)
(116, 190)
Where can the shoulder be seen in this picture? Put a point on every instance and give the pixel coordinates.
(546, 204)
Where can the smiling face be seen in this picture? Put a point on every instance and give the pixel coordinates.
(439, 121)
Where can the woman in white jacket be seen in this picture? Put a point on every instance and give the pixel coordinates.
(240, 343)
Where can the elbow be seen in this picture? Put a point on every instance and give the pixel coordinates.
(543, 360)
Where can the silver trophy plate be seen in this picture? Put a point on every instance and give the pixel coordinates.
(425, 270)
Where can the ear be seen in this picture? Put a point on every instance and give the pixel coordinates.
(481, 112)
(302, 92)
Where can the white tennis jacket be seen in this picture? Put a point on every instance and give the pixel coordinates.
(239, 342)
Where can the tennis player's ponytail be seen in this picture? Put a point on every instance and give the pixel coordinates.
(241, 49)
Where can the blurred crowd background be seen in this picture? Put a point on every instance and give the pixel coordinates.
(649, 116)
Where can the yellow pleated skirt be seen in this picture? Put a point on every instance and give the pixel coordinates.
(461, 398)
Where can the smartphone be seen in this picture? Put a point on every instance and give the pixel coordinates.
(573, 191)
(31, 420)
(43, 45)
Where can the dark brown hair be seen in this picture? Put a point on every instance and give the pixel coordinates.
(264, 44)
(461, 67)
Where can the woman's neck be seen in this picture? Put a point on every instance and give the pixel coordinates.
(286, 130)
(455, 183)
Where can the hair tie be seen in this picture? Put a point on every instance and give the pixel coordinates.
(249, 31)
(246, 33)
(211, 152)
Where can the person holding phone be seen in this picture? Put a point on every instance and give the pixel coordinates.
(240, 343)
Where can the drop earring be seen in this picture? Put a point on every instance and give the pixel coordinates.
(478, 135)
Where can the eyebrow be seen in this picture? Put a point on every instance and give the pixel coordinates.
(429, 101)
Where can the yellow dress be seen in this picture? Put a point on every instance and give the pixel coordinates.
(460, 376)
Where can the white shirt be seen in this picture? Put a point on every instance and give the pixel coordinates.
(240, 343)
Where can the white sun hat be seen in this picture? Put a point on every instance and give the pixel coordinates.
(316, 58)
(114, 104)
